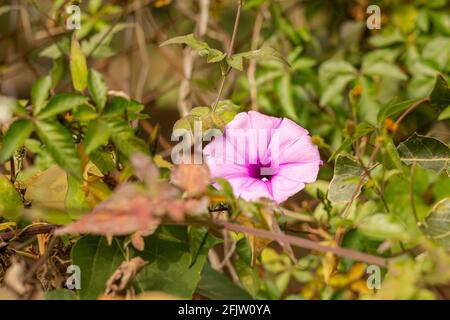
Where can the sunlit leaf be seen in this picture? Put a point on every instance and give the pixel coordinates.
(10, 199)
(39, 92)
(437, 223)
(15, 137)
(61, 103)
(266, 53)
(97, 88)
(97, 134)
(203, 49)
(60, 145)
(78, 66)
(347, 175)
(362, 129)
(382, 226)
(427, 152)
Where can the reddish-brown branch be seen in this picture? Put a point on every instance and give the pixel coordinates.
(26, 232)
(305, 243)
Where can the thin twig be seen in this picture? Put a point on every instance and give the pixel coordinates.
(411, 191)
(411, 108)
(251, 71)
(12, 170)
(35, 267)
(304, 243)
(28, 231)
(361, 180)
(189, 55)
(229, 53)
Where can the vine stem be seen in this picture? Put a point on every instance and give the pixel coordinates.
(411, 108)
(229, 53)
(411, 191)
(304, 243)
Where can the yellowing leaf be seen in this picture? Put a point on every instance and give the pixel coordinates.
(7, 225)
(78, 66)
(47, 189)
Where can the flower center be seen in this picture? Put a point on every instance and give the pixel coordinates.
(261, 172)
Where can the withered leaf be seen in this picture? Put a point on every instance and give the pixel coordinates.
(138, 241)
(124, 275)
(128, 210)
(192, 178)
(133, 210)
(144, 169)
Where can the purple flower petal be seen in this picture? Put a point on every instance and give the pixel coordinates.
(263, 157)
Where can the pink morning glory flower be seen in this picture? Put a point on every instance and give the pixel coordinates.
(263, 157)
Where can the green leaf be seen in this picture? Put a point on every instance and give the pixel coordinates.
(51, 215)
(39, 92)
(97, 261)
(124, 138)
(116, 107)
(362, 129)
(85, 113)
(248, 276)
(78, 66)
(196, 238)
(225, 187)
(60, 294)
(385, 69)
(391, 158)
(347, 174)
(286, 96)
(97, 46)
(75, 201)
(169, 268)
(333, 68)
(225, 112)
(134, 109)
(199, 238)
(440, 96)
(244, 250)
(10, 199)
(97, 88)
(213, 55)
(445, 114)
(382, 226)
(216, 286)
(60, 103)
(266, 53)
(56, 50)
(15, 137)
(391, 108)
(97, 134)
(437, 224)
(103, 161)
(428, 152)
(335, 88)
(57, 70)
(387, 39)
(60, 145)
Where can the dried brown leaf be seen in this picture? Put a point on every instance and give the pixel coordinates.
(128, 210)
(144, 169)
(124, 275)
(138, 241)
(192, 178)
